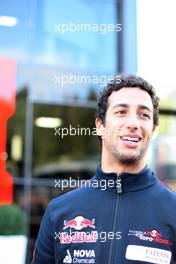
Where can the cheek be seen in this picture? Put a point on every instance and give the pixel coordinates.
(114, 122)
(147, 130)
(113, 129)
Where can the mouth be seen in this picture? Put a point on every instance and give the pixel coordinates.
(134, 139)
(131, 141)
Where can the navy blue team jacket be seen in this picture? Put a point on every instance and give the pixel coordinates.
(113, 219)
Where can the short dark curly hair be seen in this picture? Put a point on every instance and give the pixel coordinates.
(119, 82)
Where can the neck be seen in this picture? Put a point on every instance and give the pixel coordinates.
(109, 164)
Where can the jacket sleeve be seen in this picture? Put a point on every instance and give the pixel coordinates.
(44, 247)
(174, 255)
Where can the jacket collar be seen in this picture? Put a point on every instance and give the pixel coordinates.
(130, 181)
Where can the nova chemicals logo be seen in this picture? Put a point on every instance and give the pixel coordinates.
(68, 258)
(80, 256)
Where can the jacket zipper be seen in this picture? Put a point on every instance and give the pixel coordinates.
(119, 184)
(116, 215)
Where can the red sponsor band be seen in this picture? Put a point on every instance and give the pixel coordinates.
(162, 241)
(155, 239)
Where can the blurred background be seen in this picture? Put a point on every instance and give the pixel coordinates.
(52, 52)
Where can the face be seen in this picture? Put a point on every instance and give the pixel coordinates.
(128, 127)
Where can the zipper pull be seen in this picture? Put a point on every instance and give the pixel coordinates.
(119, 184)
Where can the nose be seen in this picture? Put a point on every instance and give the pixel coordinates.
(132, 122)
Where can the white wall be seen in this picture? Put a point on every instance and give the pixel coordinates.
(156, 44)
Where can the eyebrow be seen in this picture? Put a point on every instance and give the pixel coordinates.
(140, 106)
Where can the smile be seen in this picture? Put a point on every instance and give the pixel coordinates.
(130, 139)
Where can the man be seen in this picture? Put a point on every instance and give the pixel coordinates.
(133, 219)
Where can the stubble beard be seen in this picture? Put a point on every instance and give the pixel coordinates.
(124, 158)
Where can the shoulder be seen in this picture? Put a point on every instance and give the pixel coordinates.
(166, 193)
(75, 194)
(70, 202)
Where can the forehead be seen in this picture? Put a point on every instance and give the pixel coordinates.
(132, 96)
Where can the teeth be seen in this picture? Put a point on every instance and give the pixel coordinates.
(130, 139)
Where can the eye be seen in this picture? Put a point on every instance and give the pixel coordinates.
(120, 112)
(144, 115)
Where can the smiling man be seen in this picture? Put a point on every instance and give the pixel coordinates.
(132, 220)
(131, 118)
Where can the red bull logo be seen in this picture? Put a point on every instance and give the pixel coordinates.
(78, 237)
(78, 223)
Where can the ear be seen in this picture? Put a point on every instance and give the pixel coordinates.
(99, 127)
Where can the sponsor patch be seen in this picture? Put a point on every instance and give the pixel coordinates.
(80, 256)
(148, 254)
(78, 237)
(78, 223)
(151, 236)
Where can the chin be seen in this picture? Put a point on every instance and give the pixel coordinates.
(129, 159)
